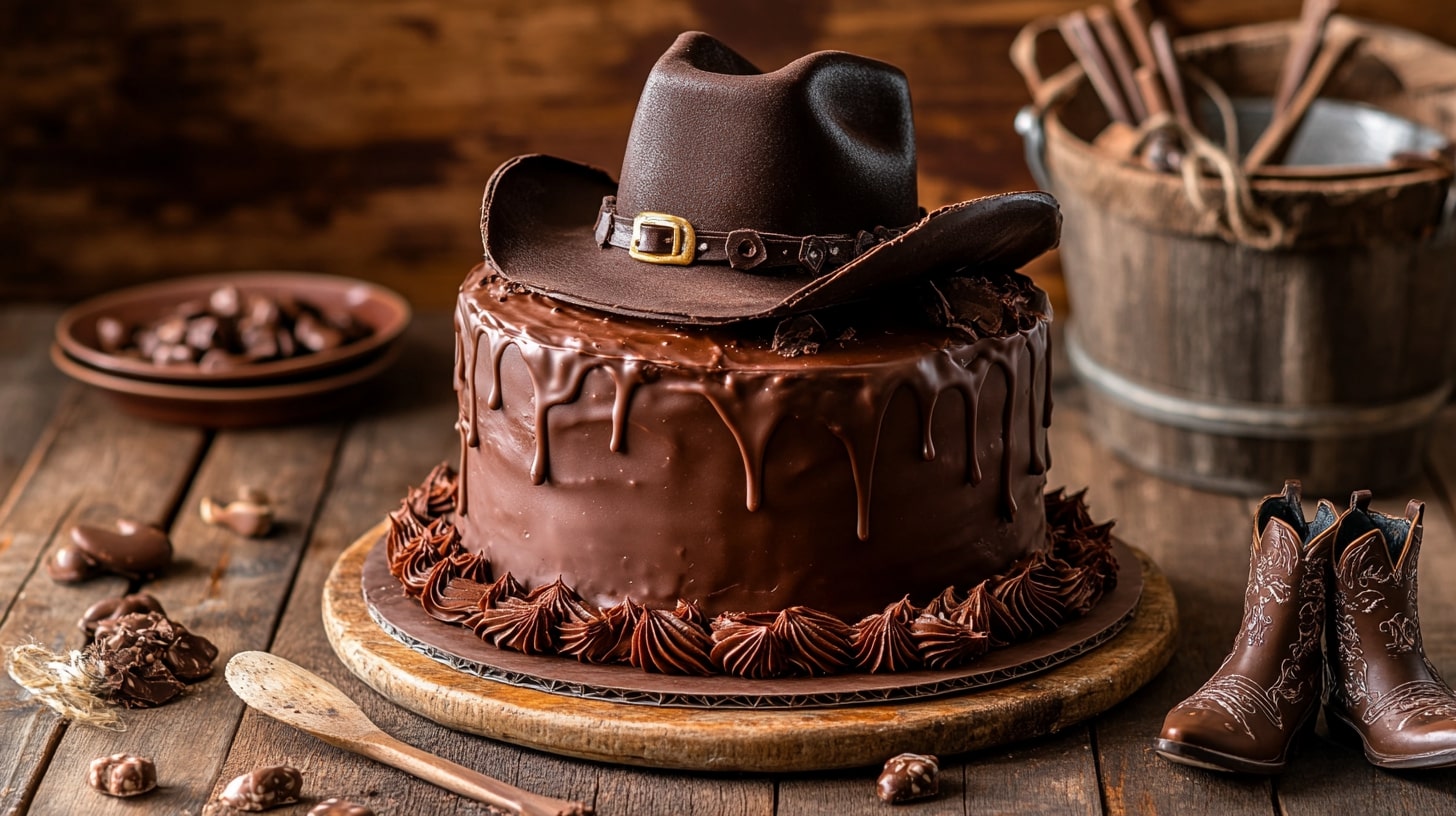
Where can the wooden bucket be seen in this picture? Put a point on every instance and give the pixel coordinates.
(1323, 355)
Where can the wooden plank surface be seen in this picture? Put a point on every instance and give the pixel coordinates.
(225, 587)
(1201, 541)
(31, 390)
(100, 465)
(336, 480)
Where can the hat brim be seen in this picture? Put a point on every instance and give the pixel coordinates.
(537, 221)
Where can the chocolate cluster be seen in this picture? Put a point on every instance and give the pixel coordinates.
(1035, 595)
(144, 658)
(230, 328)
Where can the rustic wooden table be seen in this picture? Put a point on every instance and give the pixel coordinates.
(66, 455)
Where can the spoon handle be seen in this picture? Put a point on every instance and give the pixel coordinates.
(450, 776)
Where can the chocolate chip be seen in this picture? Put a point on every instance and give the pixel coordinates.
(334, 806)
(219, 360)
(113, 608)
(133, 549)
(263, 788)
(909, 776)
(122, 775)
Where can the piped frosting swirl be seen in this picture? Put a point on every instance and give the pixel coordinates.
(1035, 595)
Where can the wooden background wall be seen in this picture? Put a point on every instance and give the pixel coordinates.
(141, 140)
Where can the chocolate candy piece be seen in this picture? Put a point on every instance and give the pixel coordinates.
(334, 806)
(263, 788)
(111, 334)
(250, 515)
(225, 301)
(909, 776)
(113, 608)
(134, 550)
(70, 565)
(122, 775)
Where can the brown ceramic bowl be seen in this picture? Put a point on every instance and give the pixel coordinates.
(232, 406)
(382, 310)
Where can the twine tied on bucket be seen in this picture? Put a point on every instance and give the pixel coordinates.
(1238, 216)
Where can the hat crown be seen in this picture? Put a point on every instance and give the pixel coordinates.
(824, 145)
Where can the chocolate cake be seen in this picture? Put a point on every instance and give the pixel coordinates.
(750, 410)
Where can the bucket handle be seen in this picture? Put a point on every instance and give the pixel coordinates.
(1045, 90)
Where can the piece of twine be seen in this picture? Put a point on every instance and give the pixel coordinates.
(1238, 217)
(68, 684)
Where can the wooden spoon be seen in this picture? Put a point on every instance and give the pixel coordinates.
(291, 694)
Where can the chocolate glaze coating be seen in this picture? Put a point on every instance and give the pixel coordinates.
(635, 459)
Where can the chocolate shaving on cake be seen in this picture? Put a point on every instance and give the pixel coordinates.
(745, 645)
(603, 638)
(517, 625)
(664, 643)
(798, 335)
(814, 642)
(883, 643)
(945, 644)
(436, 495)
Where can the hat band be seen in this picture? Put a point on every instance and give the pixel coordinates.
(661, 238)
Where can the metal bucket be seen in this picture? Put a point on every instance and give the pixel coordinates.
(1230, 367)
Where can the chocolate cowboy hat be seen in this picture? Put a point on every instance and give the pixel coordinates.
(746, 195)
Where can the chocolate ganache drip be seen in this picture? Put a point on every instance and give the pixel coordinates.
(558, 356)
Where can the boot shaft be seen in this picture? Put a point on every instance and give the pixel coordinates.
(1377, 661)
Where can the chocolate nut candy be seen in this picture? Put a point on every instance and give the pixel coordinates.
(113, 608)
(122, 775)
(334, 806)
(263, 788)
(909, 776)
(133, 549)
(250, 515)
(70, 565)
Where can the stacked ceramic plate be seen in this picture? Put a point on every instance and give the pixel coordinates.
(236, 349)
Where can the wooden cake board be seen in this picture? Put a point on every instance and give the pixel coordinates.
(776, 740)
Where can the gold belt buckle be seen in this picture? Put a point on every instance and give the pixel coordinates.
(684, 240)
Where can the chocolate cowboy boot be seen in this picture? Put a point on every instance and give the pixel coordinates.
(1267, 690)
(1383, 694)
